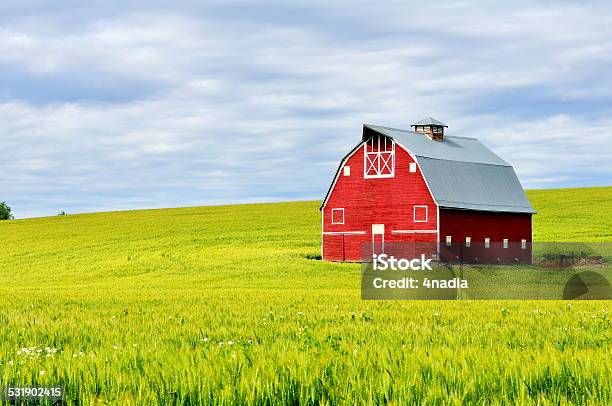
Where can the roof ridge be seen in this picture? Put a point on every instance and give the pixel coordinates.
(506, 164)
(414, 132)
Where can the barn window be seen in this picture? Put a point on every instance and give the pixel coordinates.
(505, 243)
(487, 242)
(468, 242)
(337, 216)
(347, 171)
(412, 167)
(523, 244)
(379, 157)
(419, 214)
(449, 240)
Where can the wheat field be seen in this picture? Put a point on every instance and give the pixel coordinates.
(225, 305)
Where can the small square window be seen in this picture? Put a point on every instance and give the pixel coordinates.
(449, 240)
(347, 171)
(420, 214)
(412, 167)
(337, 216)
(468, 242)
(505, 243)
(523, 244)
(487, 242)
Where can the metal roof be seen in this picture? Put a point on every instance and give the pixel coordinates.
(452, 148)
(462, 173)
(474, 186)
(429, 121)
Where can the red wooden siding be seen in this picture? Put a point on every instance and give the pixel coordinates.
(387, 201)
(479, 225)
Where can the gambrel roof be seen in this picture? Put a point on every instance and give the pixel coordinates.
(461, 173)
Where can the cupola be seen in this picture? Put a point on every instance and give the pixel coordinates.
(431, 127)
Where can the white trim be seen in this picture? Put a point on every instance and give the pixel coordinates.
(414, 214)
(346, 171)
(412, 166)
(380, 229)
(376, 228)
(414, 231)
(420, 171)
(332, 215)
(337, 176)
(391, 158)
(344, 232)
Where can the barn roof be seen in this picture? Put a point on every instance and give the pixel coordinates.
(429, 121)
(460, 172)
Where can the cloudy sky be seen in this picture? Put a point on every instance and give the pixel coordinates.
(164, 104)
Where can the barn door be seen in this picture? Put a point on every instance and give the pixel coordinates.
(378, 238)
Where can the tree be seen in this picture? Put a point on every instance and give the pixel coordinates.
(5, 212)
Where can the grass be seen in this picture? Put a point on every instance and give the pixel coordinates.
(229, 305)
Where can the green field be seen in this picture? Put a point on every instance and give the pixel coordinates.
(222, 305)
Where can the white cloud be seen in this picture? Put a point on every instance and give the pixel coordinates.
(153, 108)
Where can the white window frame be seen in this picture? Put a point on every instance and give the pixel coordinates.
(468, 242)
(346, 171)
(341, 209)
(378, 155)
(412, 167)
(449, 240)
(414, 210)
(487, 242)
(523, 244)
(505, 243)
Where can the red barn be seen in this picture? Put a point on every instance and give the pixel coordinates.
(424, 186)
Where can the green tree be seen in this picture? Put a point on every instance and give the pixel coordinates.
(5, 212)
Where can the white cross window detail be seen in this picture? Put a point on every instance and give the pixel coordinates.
(379, 157)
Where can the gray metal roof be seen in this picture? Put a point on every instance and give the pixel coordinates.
(475, 186)
(462, 173)
(429, 121)
(452, 148)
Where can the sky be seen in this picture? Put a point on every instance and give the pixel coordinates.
(130, 105)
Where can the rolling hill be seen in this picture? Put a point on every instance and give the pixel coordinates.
(225, 304)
